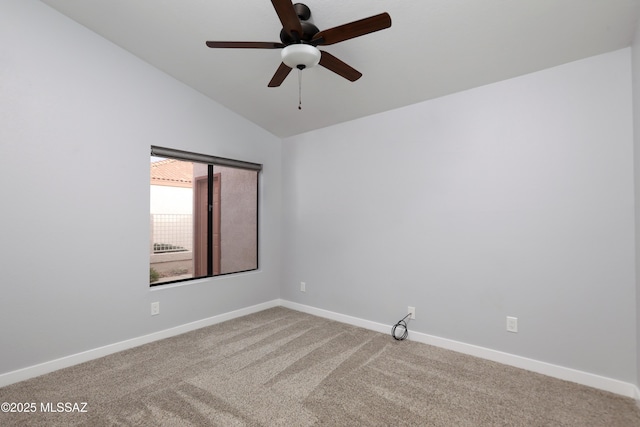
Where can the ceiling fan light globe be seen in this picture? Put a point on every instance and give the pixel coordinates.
(300, 56)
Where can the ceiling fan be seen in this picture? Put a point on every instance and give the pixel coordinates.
(299, 40)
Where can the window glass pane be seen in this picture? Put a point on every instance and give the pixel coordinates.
(172, 202)
(237, 215)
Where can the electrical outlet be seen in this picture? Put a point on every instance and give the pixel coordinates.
(303, 287)
(512, 324)
(412, 312)
(155, 308)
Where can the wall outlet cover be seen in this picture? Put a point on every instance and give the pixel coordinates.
(155, 308)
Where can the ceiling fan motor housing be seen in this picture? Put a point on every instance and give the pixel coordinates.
(308, 29)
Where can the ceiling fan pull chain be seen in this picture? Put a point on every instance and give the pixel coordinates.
(299, 89)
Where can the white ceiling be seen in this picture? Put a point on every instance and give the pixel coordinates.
(433, 48)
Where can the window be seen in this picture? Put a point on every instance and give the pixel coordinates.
(203, 216)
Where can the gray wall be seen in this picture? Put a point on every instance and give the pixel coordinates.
(78, 118)
(636, 127)
(513, 199)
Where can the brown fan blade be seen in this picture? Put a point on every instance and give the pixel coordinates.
(246, 45)
(288, 18)
(332, 63)
(281, 73)
(352, 30)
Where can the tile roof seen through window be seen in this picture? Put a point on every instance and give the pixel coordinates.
(171, 172)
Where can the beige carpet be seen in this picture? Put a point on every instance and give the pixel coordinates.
(285, 368)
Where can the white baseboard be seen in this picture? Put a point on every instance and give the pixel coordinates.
(568, 374)
(580, 377)
(85, 356)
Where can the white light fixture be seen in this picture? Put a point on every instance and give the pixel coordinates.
(300, 56)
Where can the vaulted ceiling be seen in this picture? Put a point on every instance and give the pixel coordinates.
(433, 48)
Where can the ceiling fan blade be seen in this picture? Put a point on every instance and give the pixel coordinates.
(246, 45)
(332, 63)
(281, 73)
(288, 18)
(352, 30)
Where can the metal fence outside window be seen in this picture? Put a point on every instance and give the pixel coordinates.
(171, 233)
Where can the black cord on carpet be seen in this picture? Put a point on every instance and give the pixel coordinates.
(403, 325)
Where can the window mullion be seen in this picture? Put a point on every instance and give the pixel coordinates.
(210, 230)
